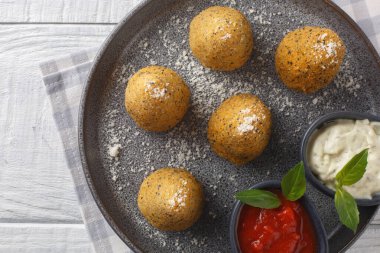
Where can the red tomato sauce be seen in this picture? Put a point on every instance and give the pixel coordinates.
(287, 229)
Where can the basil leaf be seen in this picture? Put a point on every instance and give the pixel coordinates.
(347, 209)
(293, 184)
(259, 198)
(354, 170)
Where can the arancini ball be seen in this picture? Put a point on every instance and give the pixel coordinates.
(309, 58)
(156, 98)
(171, 199)
(221, 38)
(240, 128)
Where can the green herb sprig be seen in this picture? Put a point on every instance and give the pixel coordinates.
(259, 198)
(345, 204)
(293, 186)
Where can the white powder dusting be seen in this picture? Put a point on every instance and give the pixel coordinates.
(245, 111)
(247, 124)
(158, 93)
(329, 50)
(190, 8)
(114, 150)
(226, 36)
(322, 36)
(347, 80)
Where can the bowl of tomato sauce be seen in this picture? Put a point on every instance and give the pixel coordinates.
(294, 227)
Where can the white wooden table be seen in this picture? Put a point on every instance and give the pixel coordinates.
(38, 206)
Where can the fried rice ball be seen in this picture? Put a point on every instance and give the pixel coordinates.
(156, 98)
(240, 128)
(171, 199)
(309, 58)
(221, 38)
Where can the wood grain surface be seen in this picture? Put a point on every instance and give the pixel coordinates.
(64, 11)
(34, 237)
(38, 206)
(35, 184)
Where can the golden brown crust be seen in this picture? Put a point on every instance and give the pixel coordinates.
(221, 38)
(240, 128)
(308, 59)
(156, 98)
(171, 199)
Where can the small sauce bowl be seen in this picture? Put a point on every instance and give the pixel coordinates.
(319, 231)
(318, 124)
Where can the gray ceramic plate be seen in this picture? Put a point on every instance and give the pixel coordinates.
(156, 33)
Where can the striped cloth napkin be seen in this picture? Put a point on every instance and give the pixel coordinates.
(64, 79)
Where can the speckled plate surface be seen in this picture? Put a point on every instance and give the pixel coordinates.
(157, 33)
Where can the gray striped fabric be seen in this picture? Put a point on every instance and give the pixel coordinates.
(64, 79)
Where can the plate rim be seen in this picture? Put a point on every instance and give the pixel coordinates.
(83, 100)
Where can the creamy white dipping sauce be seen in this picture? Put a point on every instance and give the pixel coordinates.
(332, 146)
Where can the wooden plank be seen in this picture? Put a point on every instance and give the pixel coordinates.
(35, 185)
(376, 219)
(368, 242)
(44, 238)
(64, 11)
